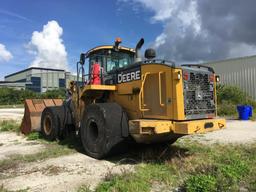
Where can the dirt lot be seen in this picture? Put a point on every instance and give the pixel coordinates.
(64, 173)
(236, 132)
(69, 172)
(14, 114)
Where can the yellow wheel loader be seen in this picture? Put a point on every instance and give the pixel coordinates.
(124, 96)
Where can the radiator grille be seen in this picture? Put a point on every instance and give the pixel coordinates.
(198, 95)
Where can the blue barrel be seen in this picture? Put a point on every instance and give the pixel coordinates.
(244, 111)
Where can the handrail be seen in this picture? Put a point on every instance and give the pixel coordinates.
(199, 66)
(141, 94)
(160, 88)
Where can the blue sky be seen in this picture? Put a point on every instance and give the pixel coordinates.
(184, 31)
(85, 24)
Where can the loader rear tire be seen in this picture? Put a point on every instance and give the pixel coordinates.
(101, 129)
(50, 123)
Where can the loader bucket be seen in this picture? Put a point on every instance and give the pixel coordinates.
(32, 116)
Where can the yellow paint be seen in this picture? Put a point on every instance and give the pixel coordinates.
(197, 126)
(157, 91)
(177, 96)
(108, 47)
(100, 87)
(184, 128)
(141, 94)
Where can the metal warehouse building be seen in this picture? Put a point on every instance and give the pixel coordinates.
(38, 79)
(239, 72)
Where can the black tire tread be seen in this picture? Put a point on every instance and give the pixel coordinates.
(108, 117)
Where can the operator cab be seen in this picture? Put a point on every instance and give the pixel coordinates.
(104, 62)
(111, 59)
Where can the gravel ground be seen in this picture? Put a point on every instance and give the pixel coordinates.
(238, 132)
(12, 144)
(11, 114)
(64, 173)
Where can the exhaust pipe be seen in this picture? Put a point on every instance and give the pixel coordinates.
(137, 50)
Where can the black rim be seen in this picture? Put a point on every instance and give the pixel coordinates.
(93, 131)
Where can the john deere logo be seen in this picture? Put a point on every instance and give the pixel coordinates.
(127, 76)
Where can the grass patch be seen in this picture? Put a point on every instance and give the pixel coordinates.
(34, 136)
(51, 150)
(84, 188)
(201, 182)
(192, 167)
(9, 125)
(140, 180)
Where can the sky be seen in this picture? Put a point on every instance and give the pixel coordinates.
(47, 33)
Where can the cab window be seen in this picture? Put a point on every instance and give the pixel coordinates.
(118, 60)
(111, 60)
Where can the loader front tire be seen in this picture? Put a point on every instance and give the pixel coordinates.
(101, 131)
(49, 123)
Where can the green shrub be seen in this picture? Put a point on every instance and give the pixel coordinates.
(54, 94)
(226, 108)
(230, 93)
(229, 97)
(9, 96)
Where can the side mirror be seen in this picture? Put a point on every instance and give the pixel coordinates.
(82, 59)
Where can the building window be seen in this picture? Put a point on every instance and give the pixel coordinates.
(62, 83)
(35, 84)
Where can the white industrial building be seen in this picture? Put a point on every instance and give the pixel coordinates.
(240, 72)
(38, 79)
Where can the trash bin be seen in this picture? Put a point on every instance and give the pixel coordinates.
(244, 111)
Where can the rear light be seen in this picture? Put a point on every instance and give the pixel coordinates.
(211, 78)
(217, 78)
(185, 76)
(210, 116)
(179, 76)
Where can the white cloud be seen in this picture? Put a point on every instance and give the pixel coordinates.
(190, 17)
(167, 9)
(160, 40)
(48, 47)
(180, 19)
(163, 9)
(197, 30)
(5, 55)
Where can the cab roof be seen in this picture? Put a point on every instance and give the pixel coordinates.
(88, 53)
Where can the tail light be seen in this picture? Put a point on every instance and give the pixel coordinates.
(185, 76)
(217, 78)
(211, 78)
